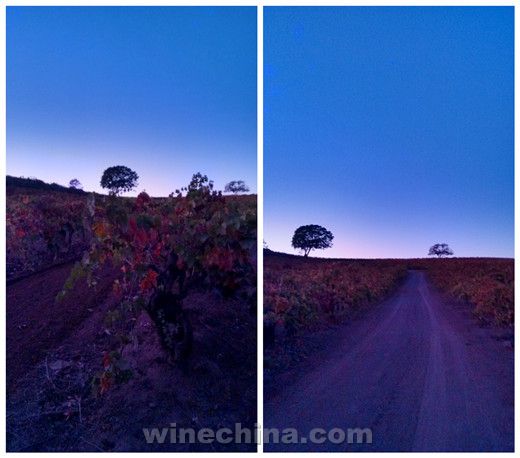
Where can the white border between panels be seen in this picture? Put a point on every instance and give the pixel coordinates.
(260, 193)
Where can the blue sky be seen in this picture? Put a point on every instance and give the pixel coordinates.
(391, 127)
(166, 91)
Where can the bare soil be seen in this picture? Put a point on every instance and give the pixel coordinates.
(417, 369)
(54, 349)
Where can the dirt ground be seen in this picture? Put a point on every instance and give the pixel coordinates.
(54, 349)
(417, 370)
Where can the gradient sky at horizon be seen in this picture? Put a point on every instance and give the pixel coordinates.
(167, 91)
(393, 127)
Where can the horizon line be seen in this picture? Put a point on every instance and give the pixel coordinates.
(389, 258)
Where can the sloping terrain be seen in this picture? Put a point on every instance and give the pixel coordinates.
(54, 349)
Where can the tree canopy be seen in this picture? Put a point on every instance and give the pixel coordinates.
(440, 250)
(236, 186)
(75, 183)
(311, 237)
(118, 179)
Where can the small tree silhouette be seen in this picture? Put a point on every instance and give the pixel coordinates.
(236, 186)
(440, 250)
(74, 183)
(311, 237)
(119, 179)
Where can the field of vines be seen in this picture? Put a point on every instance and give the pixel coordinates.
(43, 229)
(487, 284)
(162, 248)
(302, 293)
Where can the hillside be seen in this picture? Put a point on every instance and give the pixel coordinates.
(128, 313)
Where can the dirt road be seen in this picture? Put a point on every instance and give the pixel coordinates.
(418, 371)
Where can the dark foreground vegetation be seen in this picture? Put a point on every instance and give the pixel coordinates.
(128, 313)
(22, 184)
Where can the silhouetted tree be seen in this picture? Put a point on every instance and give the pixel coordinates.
(440, 250)
(74, 183)
(199, 184)
(311, 237)
(236, 186)
(119, 179)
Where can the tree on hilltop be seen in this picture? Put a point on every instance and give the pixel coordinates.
(75, 184)
(440, 250)
(311, 237)
(118, 179)
(236, 186)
